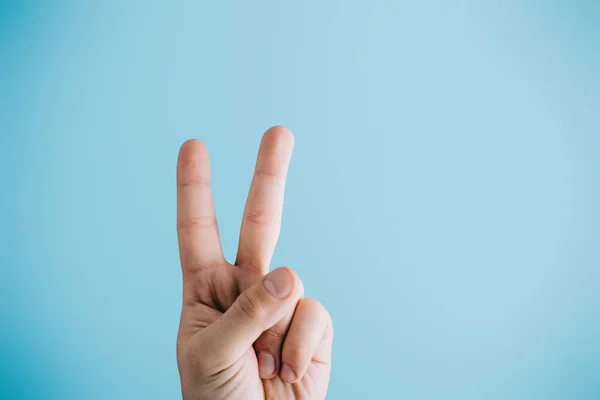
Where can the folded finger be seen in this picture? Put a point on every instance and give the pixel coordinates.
(308, 340)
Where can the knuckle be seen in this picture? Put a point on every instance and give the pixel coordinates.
(315, 306)
(328, 323)
(194, 181)
(328, 317)
(209, 221)
(328, 335)
(259, 217)
(269, 176)
(248, 306)
(319, 309)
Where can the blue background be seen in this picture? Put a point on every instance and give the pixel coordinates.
(443, 199)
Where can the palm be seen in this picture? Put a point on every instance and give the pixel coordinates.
(215, 290)
(211, 285)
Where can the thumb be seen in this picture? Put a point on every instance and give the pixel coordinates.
(257, 309)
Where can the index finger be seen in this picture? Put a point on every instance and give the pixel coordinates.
(199, 243)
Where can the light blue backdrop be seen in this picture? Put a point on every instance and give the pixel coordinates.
(443, 199)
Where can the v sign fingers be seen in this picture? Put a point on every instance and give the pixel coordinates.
(244, 332)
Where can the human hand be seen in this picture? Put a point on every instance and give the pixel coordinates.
(245, 333)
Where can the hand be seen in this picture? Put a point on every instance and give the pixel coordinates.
(245, 333)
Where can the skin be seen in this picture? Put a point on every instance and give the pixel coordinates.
(245, 332)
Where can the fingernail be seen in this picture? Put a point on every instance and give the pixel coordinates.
(266, 365)
(287, 374)
(278, 283)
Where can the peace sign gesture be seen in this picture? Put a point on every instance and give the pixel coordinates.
(245, 332)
